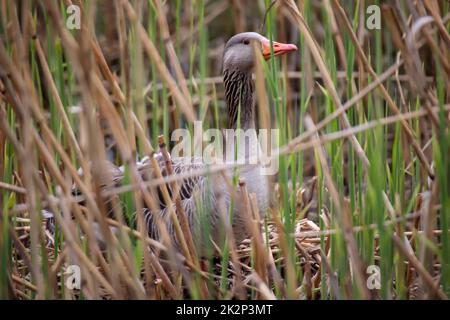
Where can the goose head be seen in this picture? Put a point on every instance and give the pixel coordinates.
(238, 62)
(238, 53)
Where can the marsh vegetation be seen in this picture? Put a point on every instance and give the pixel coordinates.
(359, 207)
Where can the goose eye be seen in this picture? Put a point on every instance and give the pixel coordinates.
(246, 41)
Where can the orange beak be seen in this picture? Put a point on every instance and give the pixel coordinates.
(278, 48)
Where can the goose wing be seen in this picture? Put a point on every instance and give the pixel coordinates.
(180, 166)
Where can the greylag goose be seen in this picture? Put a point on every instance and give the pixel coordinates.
(199, 194)
(204, 191)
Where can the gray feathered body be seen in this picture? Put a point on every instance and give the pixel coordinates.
(204, 198)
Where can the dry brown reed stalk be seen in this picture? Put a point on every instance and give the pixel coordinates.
(263, 289)
(152, 52)
(419, 268)
(165, 34)
(238, 289)
(360, 128)
(276, 277)
(429, 223)
(239, 14)
(181, 214)
(258, 240)
(313, 47)
(261, 98)
(162, 228)
(252, 222)
(166, 238)
(413, 63)
(418, 10)
(344, 218)
(59, 105)
(153, 245)
(13, 140)
(124, 57)
(13, 188)
(26, 154)
(307, 282)
(341, 51)
(189, 33)
(337, 38)
(407, 218)
(176, 198)
(71, 242)
(433, 8)
(24, 283)
(74, 243)
(291, 283)
(332, 278)
(260, 87)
